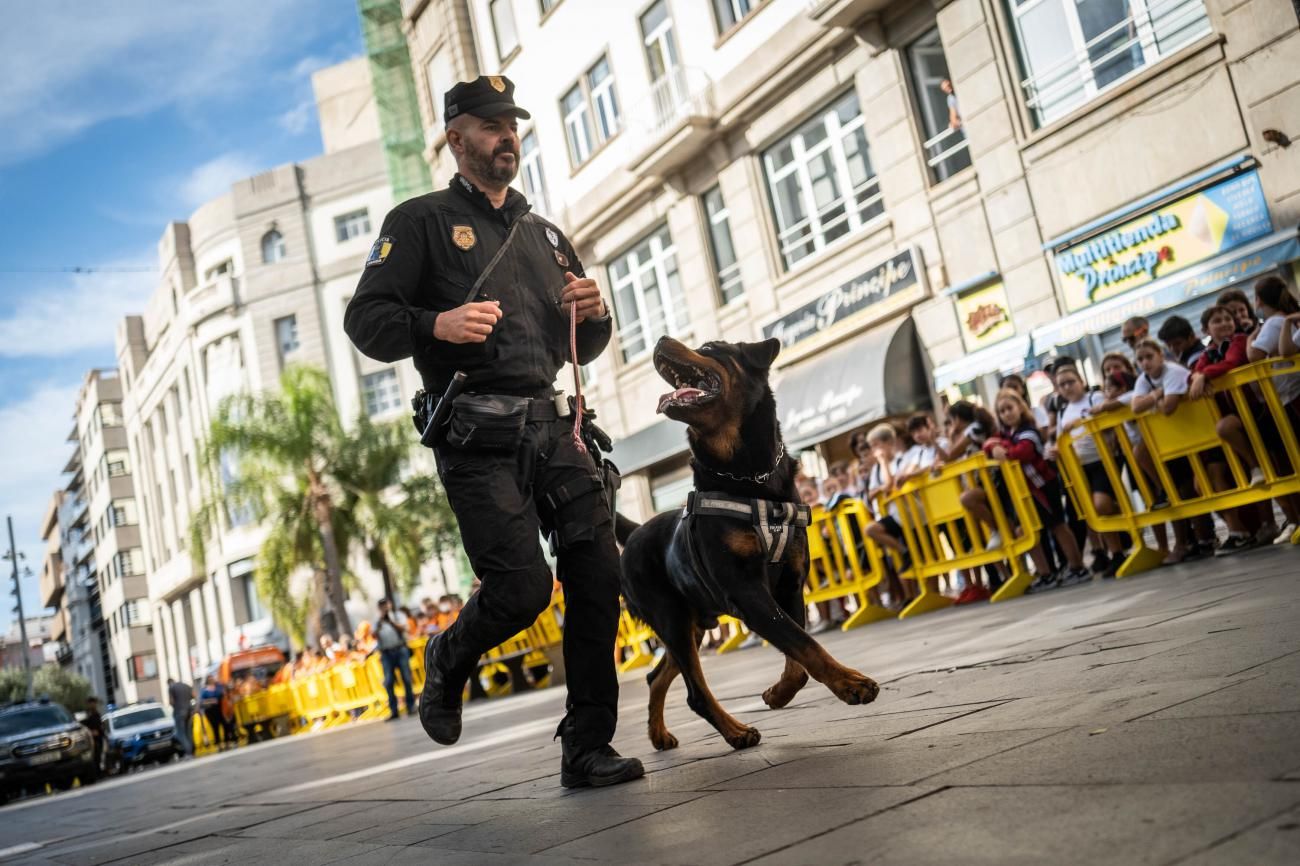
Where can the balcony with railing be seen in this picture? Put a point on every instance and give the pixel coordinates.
(674, 122)
(219, 295)
(844, 13)
(1059, 82)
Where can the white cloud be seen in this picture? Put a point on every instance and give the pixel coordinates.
(75, 312)
(214, 177)
(298, 119)
(67, 65)
(34, 430)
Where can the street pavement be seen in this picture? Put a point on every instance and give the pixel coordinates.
(1148, 720)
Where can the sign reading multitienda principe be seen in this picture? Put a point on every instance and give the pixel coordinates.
(1184, 232)
(889, 278)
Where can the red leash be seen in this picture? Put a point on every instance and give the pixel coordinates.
(577, 378)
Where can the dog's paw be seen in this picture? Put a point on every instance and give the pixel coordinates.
(662, 740)
(746, 738)
(783, 691)
(856, 689)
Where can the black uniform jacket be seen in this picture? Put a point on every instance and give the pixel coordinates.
(430, 251)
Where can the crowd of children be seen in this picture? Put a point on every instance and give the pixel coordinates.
(1161, 373)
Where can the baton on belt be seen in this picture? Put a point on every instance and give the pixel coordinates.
(432, 434)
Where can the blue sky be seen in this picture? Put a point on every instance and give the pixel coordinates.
(118, 118)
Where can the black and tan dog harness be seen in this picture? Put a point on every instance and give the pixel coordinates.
(772, 521)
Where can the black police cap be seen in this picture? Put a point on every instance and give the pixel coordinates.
(485, 96)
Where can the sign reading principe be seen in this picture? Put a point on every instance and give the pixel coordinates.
(885, 280)
(1179, 234)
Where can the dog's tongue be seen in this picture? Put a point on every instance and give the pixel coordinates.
(679, 394)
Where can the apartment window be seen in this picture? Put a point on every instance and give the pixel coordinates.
(725, 264)
(109, 414)
(503, 25)
(590, 110)
(441, 77)
(242, 578)
(648, 299)
(821, 180)
(142, 667)
(273, 248)
(117, 462)
(134, 613)
(220, 269)
(123, 512)
(946, 151)
(352, 225)
(128, 562)
(534, 180)
(731, 12)
(1071, 50)
(286, 337)
(660, 44)
(381, 392)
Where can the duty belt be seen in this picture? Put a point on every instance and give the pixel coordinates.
(772, 521)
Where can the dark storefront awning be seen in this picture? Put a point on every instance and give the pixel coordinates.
(654, 444)
(870, 376)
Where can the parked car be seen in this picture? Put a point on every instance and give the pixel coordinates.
(138, 734)
(41, 743)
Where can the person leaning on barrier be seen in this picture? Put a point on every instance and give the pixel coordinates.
(467, 280)
(1181, 340)
(1242, 312)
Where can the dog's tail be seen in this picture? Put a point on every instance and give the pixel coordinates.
(624, 527)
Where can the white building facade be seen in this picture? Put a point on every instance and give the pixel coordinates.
(905, 193)
(253, 281)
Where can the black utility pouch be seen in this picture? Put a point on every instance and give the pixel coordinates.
(487, 422)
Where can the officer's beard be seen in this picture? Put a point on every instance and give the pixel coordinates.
(485, 165)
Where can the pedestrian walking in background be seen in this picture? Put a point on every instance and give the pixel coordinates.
(210, 703)
(181, 697)
(94, 723)
(395, 657)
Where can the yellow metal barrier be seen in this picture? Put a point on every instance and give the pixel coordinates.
(1188, 434)
(634, 648)
(843, 562)
(941, 536)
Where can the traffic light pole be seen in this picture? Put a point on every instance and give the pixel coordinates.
(18, 609)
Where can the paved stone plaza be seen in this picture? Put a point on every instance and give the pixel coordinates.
(1150, 720)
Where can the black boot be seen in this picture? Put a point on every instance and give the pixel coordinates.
(440, 702)
(597, 766)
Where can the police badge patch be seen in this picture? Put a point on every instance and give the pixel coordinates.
(561, 259)
(553, 237)
(463, 237)
(498, 83)
(379, 252)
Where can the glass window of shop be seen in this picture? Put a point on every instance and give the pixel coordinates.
(648, 297)
(821, 181)
(946, 150)
(1072, 50)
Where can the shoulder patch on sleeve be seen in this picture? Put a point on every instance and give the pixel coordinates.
(379, 252)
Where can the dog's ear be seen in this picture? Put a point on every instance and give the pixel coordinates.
(760, 355)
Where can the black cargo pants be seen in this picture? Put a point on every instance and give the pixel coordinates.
(504, 503)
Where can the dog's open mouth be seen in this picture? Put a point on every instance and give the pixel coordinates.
(692, 385)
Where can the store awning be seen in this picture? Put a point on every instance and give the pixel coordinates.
(870, 376)
(1007, 356)
(1240, 265)
(654, 444)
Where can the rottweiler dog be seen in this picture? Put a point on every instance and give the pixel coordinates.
(680, 573)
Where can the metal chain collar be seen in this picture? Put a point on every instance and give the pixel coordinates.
(760, 478)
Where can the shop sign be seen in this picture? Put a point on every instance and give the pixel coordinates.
(984, 316)
(885, 280)
(1160, 242)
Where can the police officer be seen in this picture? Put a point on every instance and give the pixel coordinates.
(511, 337)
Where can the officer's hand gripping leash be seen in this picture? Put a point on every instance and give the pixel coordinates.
(577, 378)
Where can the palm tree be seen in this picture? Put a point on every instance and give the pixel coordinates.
(399, 520)
(284, 445)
